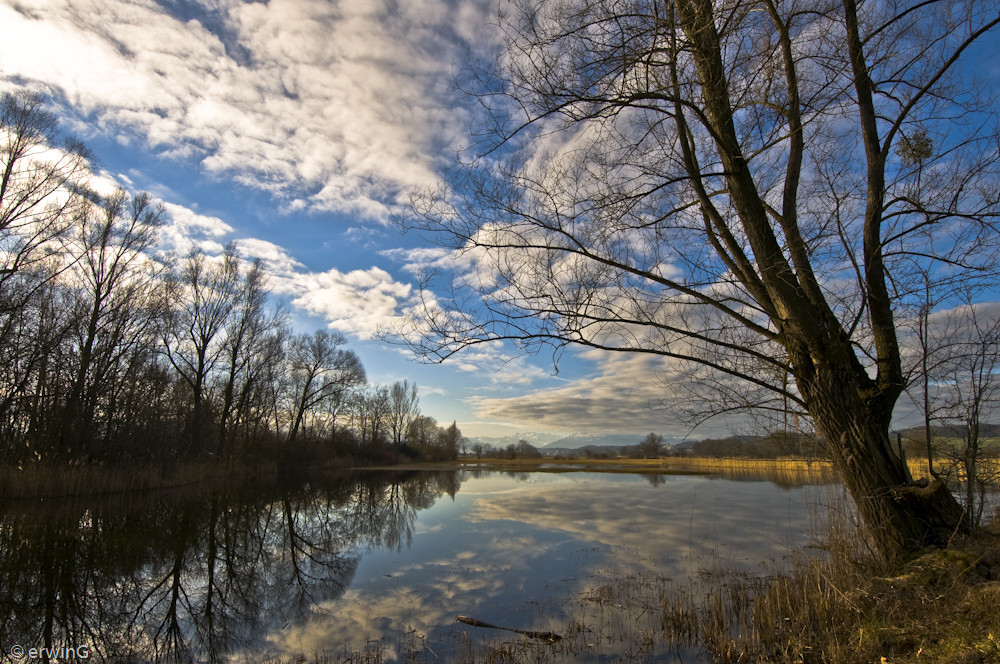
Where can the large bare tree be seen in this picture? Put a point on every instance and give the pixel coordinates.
(719, 182)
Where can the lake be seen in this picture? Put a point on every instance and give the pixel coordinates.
(378, 565)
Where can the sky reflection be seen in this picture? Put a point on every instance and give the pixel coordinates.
(518, 552)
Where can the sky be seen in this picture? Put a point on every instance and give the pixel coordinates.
(296, 128)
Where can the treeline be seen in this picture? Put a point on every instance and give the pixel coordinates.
(520, 450)
(111, 349)
(774, 445)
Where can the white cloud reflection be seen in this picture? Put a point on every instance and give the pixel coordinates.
(525, 553)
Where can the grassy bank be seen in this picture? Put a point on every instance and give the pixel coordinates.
(56, 480)
(936, 606)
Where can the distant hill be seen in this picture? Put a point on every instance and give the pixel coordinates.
(550, 444)
(539, 440)
(586, 450)
(579, 440)
(956, 431)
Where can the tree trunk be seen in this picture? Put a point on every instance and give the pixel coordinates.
(901, 515)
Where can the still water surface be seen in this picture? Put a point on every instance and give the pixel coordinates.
(380, 561)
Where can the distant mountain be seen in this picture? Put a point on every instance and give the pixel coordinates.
(587, 450)
(549, 442)
(536, 439)
(576, 441)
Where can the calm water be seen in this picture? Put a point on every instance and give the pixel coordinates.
(373, 561)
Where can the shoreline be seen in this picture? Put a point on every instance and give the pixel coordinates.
(42, 481)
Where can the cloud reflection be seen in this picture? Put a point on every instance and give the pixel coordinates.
(520, 553)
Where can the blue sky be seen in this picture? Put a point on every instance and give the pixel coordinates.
(295, 128)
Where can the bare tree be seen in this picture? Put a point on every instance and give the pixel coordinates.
(714, 182)
(452, 440)
(194, 341)
(965, 397)
(40, 193)
(650, 446)
(259, 407)
(115, 302)
(248, 333)
(422, 431)
(404, 406)
(321, 372)
(370, 412)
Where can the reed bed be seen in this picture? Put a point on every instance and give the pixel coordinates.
(55, 481)
(786, 472)
(988, 468)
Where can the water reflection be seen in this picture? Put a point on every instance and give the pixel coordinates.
(366, 558)
(194, 576)
(524, 550)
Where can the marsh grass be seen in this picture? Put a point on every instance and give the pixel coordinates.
(56, 480)
(844, 604)
(786, 472)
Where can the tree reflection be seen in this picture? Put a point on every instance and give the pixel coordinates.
(199, 575)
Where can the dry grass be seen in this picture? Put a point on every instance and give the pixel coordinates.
(847, 606)
(54, 481)
(939, 607)
(699, 464)
(786, 472)
(952, 469)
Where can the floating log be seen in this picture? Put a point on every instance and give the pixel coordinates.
(545, 636)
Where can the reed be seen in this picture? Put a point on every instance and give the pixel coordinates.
(846, 604)
(662, 463)
(58, 480)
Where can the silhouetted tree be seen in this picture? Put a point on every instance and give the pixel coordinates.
(320, 371)
(404, 405)
(247, 335)
(650, 446)
(716, 183)
(194, 339)
(115, 300)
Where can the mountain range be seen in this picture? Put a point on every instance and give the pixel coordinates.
(573, 441)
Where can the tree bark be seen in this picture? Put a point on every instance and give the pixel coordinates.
(900, 514)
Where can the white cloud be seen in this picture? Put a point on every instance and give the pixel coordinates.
(498, 367)
(327, 106)
(359, 302)
(277, 261)
(418, 258)
(624, 393)
(186, 230)
(622, 398)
